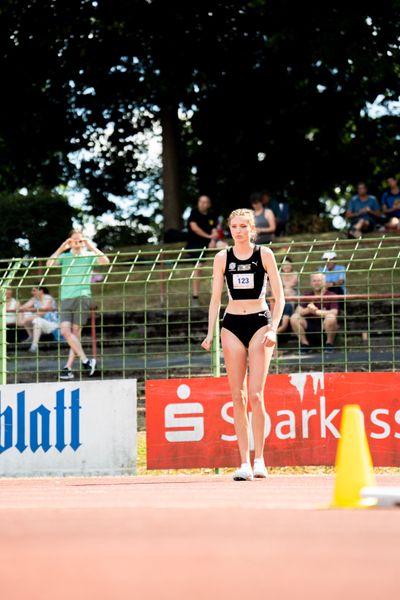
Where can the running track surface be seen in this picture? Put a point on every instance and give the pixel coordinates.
(192, 537)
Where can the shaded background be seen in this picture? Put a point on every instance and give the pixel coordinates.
(299, 98)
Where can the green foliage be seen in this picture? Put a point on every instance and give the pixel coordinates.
(290, 113)
(309, 223)
(131, 233)
(275, 95)
(33, 224)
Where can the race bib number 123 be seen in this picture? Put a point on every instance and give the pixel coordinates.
(243, 282)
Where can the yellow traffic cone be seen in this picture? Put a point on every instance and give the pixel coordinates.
(354, 468)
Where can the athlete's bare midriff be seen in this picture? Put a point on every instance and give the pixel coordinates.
(244, 307)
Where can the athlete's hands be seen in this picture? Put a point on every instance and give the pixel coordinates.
(269, 339)
(206, 344)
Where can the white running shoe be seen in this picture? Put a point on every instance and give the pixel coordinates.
(66, 374)
(260, 470)
(244, 473)
(90, 366)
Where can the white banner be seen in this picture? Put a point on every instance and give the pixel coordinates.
(68, 428)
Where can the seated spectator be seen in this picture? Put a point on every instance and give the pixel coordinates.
(202, 233)
(46, 321)
(284, 329)
(27, 313)
(39, 315)
(290, 282)
(310, 319)
(289, 277)
(390, 203)
(335, 275)
(264, 219)
(280, 210)
(363, 211)
(12, 307)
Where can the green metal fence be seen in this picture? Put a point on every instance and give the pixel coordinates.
(143, 323)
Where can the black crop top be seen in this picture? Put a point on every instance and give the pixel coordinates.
(245, 279)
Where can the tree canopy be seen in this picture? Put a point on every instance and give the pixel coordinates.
(249, 94)
(35, 223)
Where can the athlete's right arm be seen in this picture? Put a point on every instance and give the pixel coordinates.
(53, 258)
(215, 302)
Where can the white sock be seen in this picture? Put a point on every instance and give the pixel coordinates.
(246, 466)
(259, 461)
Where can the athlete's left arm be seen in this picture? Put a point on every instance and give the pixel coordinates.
(269, 264)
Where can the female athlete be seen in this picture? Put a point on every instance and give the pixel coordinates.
(248, 331)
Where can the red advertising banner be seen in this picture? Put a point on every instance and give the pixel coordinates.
(190, 421)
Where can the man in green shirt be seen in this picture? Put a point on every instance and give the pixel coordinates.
(77, 257)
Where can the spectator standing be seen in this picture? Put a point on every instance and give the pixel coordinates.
(202, 233)
(363, 211)
(390, 203)
(269, 202)
(77, 257)
(316, 316)
(280, 210)
(264, 219)
(335, 275)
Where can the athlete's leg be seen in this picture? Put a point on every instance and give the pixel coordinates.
(235, 357)
(259, 360)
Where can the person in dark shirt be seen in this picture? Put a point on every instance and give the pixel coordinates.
(202, 233)
(390, 203)
(316, 316)
(363, 212)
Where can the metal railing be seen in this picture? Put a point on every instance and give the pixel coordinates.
(144, 324)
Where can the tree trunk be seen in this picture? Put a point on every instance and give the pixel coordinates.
(171, 184)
